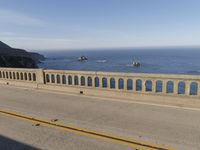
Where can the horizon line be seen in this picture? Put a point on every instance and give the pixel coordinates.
(117, 48)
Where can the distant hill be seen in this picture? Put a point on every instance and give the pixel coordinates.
(3, 45)
(18, 58)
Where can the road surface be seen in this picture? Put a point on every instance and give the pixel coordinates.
(174, 127)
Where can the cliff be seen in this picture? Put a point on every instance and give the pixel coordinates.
(18, 58)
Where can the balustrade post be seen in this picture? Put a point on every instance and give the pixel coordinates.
(125, 84)
(175, 92)
(79, 80)
(198, 88)
(134, 85)
(116, 83)
(55, 76)
(20, 77)
(164, 88)
(61, 79)
(72, 80)
(100, 82)
(108, 82)
(39, 76)
(154, 86)
(93, 81)
(187, 88)
(86, 81)
(66, 78)
(143, 85)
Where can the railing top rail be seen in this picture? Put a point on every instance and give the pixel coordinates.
(18, 69)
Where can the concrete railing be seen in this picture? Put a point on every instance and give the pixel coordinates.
(135, 83)
(15, 74)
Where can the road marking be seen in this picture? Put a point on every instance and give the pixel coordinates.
(125, 141)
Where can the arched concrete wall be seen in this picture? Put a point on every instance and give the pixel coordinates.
(154, 84)
(24, 75)
(176, 85)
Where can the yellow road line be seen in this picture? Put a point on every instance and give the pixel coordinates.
(125, 141)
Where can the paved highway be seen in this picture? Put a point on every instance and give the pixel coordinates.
(22, 135)
(163, 125)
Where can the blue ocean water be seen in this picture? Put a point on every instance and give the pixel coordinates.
(164, 60)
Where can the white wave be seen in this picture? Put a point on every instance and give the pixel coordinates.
(101, 61)
(129, 65)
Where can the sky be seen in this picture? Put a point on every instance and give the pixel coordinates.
(91, 24)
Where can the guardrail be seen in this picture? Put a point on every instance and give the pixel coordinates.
(136, 83)
(16, 74)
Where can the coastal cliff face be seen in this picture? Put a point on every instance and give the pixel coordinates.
(18, 58)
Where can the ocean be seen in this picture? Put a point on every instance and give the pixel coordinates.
(163, 60)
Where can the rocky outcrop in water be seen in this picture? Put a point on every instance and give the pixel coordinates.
(18, 58)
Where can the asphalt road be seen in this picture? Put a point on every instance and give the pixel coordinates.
(23, 135)
(164, 125)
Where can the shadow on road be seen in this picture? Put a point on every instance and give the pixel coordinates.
(10, 144)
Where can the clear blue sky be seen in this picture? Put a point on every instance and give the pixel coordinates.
(67, 24)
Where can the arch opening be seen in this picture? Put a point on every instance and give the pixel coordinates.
(69, 80)
(148, 86)
(34, 77)
(47, 78)
(52, 78)
(121, 83)
(112, 83)
(181, 87)
(58, 78)
(25, 76)
(104, 82)
(64, 79)
(129, 84)
(82, 81)
(10, 75)
(138, 85)
(75, 80)
(170, 87)
(159, 86)
(194, 88)
(29, 76)
(96, 82)
(21, 76)
(89, 81)
(17, 75)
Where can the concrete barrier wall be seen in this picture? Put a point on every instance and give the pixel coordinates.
(107, 83)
